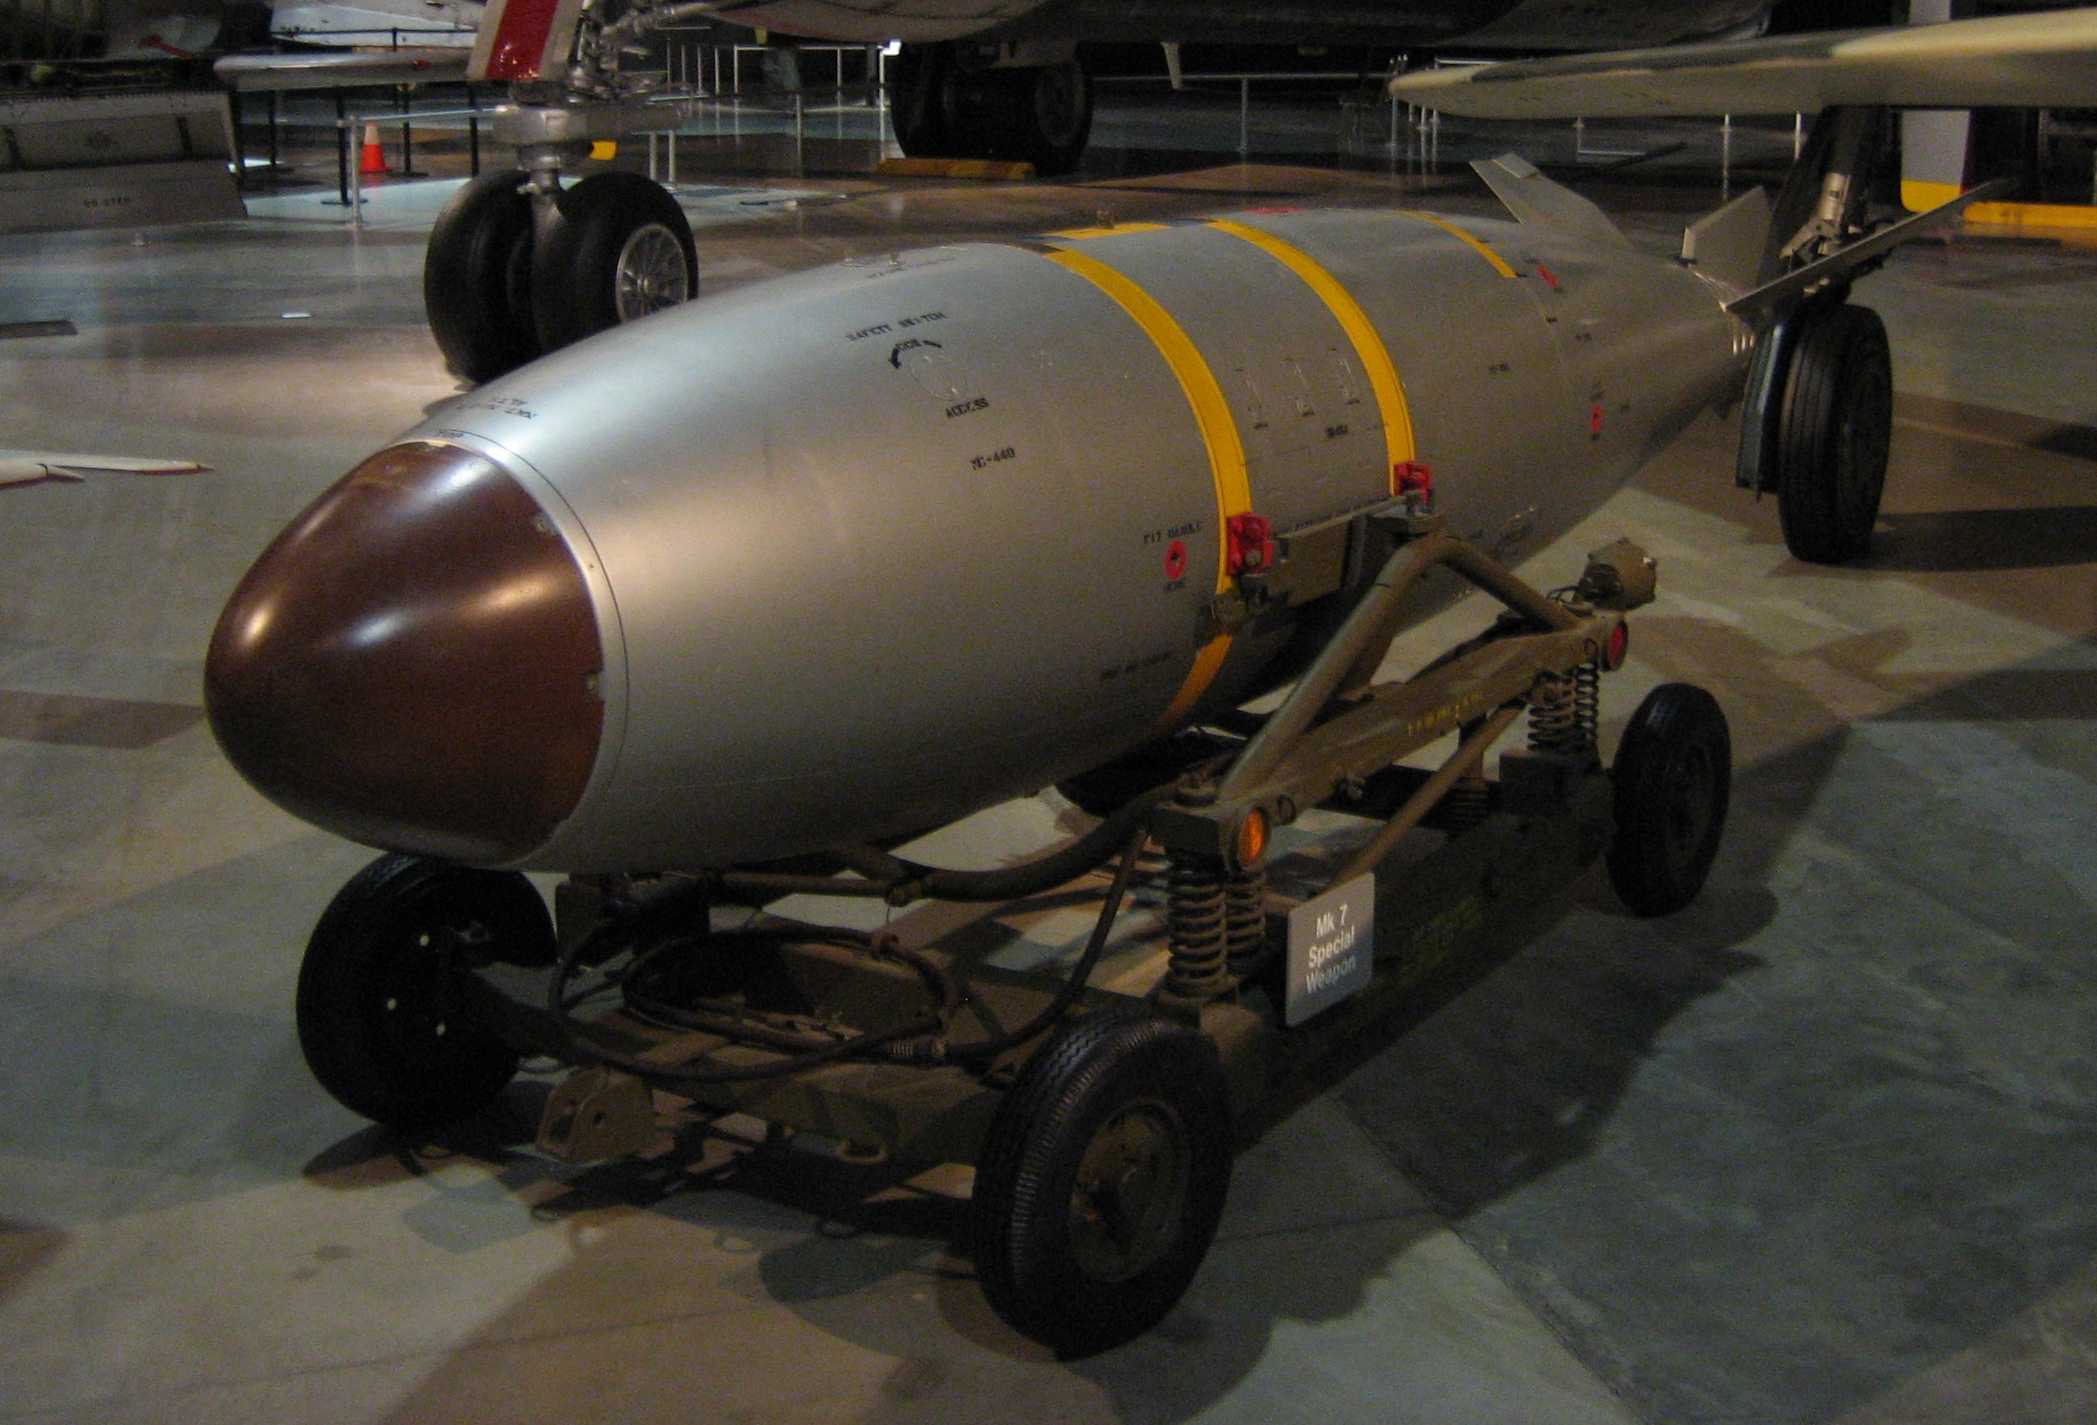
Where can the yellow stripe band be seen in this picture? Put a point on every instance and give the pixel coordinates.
(1368, 345)
(1499, 263)
(1116, 230)
(1219, 434)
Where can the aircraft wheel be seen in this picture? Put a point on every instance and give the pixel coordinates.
(476, 278)
(1042, 114)
(619, 250)
(1673, 775)
(380, 1006)
(916, 108)
(1055, 114)
(1835, 425)
(1102, 1180)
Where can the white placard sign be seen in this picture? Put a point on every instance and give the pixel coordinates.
(1332, 947)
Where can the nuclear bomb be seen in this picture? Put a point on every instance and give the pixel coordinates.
(852, 553)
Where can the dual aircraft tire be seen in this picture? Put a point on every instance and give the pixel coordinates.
(477, 278)
(503, 285)
(1041, 114)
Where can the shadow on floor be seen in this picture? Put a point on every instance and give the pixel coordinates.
(1954, 541)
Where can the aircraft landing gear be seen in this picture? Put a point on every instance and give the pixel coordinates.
(944, 108)
(1817, 416)
(1835, 424)
(518, 266)
(476, 278)
(620, 249)
(915, 107)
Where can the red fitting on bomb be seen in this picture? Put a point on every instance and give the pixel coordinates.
(1249, 544)
(1413, 480)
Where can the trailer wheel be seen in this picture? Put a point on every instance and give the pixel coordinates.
(1834, 428)
(379, 997)
(1673, 775)
(620, 250)
(1102, 1180)
(476, 287)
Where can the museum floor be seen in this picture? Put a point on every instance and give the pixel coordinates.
(1818, 1148)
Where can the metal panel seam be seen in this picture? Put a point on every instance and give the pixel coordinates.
(1368, 344)
(1219, 435)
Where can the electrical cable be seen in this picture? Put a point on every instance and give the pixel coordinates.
(1080, 975)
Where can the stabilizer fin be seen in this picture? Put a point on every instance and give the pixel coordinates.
(1533, 198)
(1728, 244)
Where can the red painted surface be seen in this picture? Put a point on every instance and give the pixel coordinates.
(1619, 647)
(1251, 543)
(519, 51)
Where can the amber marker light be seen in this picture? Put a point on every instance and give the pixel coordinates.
(1250, 844)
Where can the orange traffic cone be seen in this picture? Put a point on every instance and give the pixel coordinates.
(374, 159)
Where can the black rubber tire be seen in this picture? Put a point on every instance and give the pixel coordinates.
(576, 264)
(1048, 1256)
(475, 278)
(1674, 778)
(1040, 114)
(916, 109)
(378, 1009)
(1053, 118)
(1834, 427)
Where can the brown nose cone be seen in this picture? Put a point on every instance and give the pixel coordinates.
(414, 662)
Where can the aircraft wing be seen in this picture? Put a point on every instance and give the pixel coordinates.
(342, 67)
(2024, 61)
(26, 467)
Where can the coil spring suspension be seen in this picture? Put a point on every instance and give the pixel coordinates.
(1245, 921)
(1563, 712)
(1587, 702)
(1197, 924)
